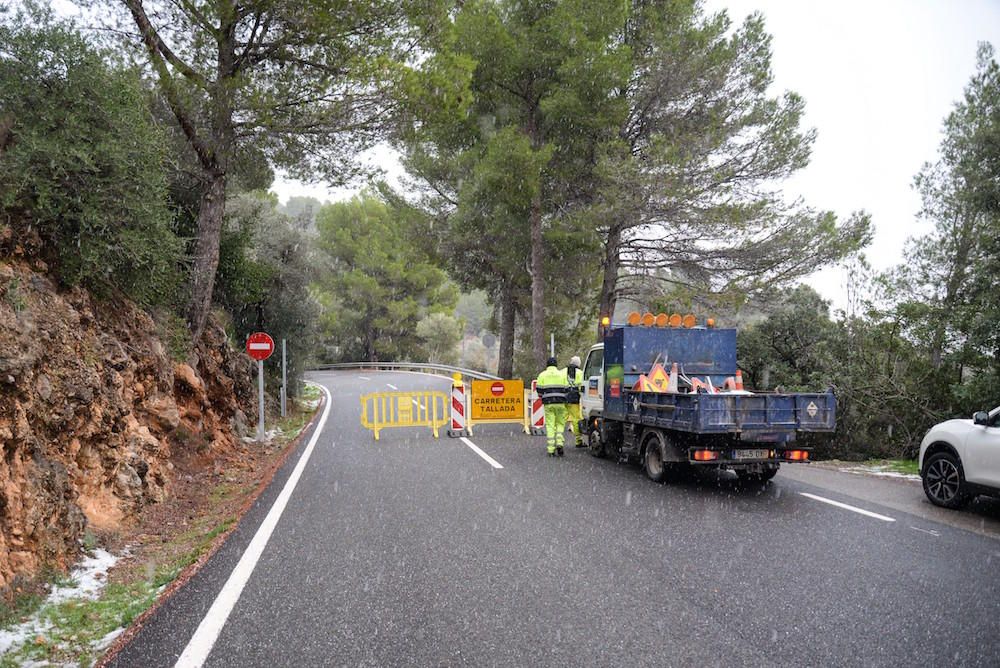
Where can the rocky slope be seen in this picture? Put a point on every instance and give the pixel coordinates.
(92, 410)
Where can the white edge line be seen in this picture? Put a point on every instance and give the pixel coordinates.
(936, 534)
(364, 377)
(198, 648)
(475, 448)
(838, 504)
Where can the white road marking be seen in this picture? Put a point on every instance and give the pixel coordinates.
(415, 403)
(847, 507)
(475, 448)
(201, 643)
(392, 386)
(364, 377)
(930, 531)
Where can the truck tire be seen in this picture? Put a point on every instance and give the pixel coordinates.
(596, 446)
(652, 460)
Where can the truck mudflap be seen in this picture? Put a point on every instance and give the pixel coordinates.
(763, 417)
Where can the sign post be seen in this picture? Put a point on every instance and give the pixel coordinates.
(259, 347)
(284, 380)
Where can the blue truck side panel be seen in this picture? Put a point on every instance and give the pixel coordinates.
(632, 351)
(770, 418)
(761, 417)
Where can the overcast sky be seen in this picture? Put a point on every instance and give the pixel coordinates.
(878, 78)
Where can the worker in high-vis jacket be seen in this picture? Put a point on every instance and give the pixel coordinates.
(551, 385)
(574, 378)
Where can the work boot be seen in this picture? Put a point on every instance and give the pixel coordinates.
(552, 453)
(580, 444)
(559, 451)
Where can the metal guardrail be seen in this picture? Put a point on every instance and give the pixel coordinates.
(424, 367)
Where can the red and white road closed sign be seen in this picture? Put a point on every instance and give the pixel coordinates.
(260, 346)
(497, 400)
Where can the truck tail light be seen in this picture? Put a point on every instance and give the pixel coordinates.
(705, 455)
(796, 455)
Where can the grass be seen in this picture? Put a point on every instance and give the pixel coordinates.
(24, 605)
(907, 466)
(70, 631)
(13, 296)
(311, 392)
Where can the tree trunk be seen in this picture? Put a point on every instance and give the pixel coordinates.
(505, 365)
(609, 283)
(206, 255)
(213, 201)
(537, 284)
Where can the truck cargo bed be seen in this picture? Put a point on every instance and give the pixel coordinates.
(761, 417)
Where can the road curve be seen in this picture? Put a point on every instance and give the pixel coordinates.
(413, 551)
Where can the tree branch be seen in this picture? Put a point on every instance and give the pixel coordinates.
(150, 37)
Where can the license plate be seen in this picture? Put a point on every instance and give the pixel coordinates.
(750, 454)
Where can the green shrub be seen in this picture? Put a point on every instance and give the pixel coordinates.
(82, 161)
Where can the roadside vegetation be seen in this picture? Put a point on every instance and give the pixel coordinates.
(79, 627)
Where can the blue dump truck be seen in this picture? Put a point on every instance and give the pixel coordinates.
(666, 392)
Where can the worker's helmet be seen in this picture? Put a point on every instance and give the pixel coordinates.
(550, 361)
(574, 360)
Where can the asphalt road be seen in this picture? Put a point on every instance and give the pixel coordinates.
(413, 551)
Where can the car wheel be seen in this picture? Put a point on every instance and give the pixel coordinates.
(944, 481)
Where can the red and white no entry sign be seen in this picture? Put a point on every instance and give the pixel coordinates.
(497, 389)
(260, 346)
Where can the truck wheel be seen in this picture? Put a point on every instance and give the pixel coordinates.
(653, 461)
(595, 444)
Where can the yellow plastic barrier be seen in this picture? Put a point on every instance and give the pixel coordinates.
(382, 410)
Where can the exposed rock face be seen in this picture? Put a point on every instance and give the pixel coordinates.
(92, 408)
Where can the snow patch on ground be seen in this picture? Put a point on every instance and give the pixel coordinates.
(883, 471)
(87, 580)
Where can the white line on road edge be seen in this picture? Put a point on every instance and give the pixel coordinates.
(392, 386)
(930, 531)
(201, 643)
(847, 507)
(364, 377)
(475, 448)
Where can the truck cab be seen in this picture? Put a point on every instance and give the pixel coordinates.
(592, 397)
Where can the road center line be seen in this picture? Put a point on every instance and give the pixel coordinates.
(475, 448)
(201, 643)
(853, 509)
(392, 386)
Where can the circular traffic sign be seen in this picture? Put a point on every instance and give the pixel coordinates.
(260, 346)
(497, 389)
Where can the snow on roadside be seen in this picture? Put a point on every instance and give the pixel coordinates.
(87, 579)
(883, 471)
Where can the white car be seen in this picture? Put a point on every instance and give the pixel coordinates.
(960, 459)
